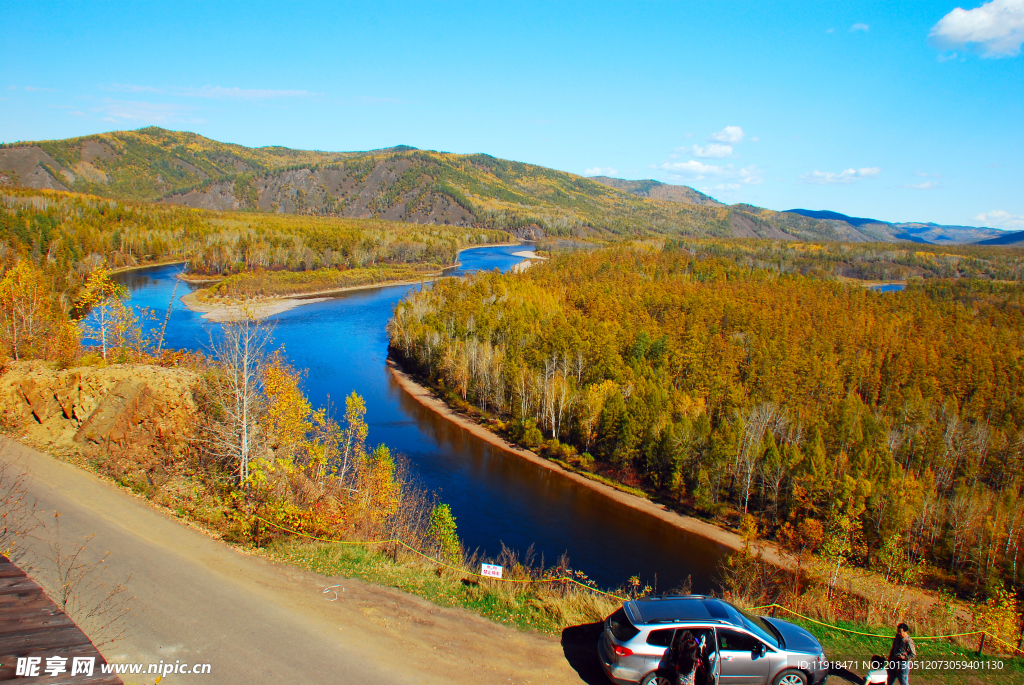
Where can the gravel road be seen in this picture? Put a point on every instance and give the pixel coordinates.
(200, 601)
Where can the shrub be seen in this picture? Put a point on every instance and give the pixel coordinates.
(443, 532)
(533, 437)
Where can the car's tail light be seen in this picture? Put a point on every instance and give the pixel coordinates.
(622, 651)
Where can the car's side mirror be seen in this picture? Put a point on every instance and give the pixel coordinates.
(759, 650)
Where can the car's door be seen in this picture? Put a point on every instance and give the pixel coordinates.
(708, 672)
(741, 661)
(658, 642)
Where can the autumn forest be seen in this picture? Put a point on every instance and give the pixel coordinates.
(880, 429)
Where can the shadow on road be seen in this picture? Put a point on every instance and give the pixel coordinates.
(579, 645)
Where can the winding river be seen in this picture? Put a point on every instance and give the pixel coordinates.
(496, 497)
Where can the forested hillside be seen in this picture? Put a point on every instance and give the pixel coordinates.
(658, 190)
(879, 428)
(398, 184)
(70, 235)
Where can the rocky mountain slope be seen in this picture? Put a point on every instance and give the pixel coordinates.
(400, 183)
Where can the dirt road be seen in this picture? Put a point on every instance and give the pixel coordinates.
(254, 621)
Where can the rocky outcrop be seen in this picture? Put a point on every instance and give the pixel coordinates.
(531, 232)
(120, 410)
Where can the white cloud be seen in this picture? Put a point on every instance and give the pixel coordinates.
(996, 28)
(692, 169)
(1000, 219)
(926, 185)
(751, 175)
(729, 134)
(830, 31)
(860, 27)
(211, 92)
(698, 171)
(129, 88)
(33, 89)
(121, 111)
(219, 93)
(600, 171)
(714, 150)
(847, 176)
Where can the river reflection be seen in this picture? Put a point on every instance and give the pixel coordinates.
(496, 497)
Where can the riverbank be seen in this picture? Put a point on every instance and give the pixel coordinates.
(262, 308)
(771, 553)
(857, 582)
(152, 265)
(374, 597)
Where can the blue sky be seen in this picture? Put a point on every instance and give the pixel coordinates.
(898, 111)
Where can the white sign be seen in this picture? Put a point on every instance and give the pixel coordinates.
(490, 570)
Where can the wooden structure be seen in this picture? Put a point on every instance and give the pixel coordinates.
(31, 625)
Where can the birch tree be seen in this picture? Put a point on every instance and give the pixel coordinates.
(242, 356)
(103, 298)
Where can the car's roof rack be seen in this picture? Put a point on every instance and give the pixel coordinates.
(687, 620)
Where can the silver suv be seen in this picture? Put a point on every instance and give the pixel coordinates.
(736, 648)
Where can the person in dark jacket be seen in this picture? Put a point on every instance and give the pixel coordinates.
(902, 653)
(685, 659)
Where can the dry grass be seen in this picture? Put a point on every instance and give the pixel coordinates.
(547, 607)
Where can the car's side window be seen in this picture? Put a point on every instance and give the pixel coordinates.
(661, 638)
(735, 641)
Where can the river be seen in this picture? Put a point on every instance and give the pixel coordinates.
(496, 497)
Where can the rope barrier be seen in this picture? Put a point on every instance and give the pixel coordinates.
(916, 637)
(567, 579)
(412, 549)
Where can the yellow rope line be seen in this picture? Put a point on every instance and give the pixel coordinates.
(438, 561)
(610, 594)
(916, 637)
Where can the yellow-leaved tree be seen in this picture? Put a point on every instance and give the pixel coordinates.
(288, 410)
(379, 491)
(32, 324)
(353, 437)
(105, 300)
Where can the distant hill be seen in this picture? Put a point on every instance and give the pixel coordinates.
(917, 232)
(835, 216)
(399, 184)
(1014, 238)
(659, 191)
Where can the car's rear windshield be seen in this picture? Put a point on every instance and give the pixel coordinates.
(724, 610)
(622, 628)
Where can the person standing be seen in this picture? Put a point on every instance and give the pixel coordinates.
(684, 659)
(902, 653)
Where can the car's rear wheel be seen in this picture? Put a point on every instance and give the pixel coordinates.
(657, 678)
(790, 676)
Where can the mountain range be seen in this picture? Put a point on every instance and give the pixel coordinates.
(917, 232)
(420, 186)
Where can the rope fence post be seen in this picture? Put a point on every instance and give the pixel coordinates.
(981, 647)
